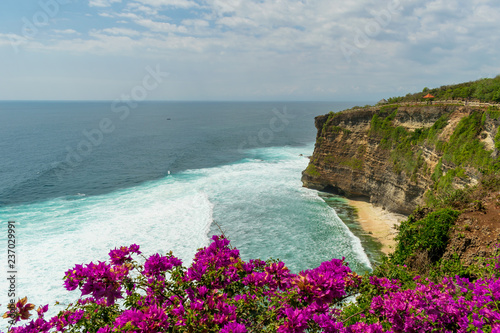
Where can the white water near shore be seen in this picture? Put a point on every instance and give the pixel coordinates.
(379, 223)
(259, 201)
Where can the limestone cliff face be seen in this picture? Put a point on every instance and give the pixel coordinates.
(390, 154)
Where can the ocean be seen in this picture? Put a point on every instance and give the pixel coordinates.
(81, 178)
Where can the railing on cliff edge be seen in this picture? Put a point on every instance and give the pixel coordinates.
(441, 102)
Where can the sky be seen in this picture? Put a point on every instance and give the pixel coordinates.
(249, 50)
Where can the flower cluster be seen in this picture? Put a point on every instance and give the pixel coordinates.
(454, 305)
(101, 280)
(220, 292)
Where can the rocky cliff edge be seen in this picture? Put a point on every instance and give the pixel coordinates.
(401, 156)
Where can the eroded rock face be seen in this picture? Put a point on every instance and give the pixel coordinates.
(476, 233)
(350, 158)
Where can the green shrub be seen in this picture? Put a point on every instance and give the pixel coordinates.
(451, 267)
(438, 171)
(329, 159)
(331, 115)
(464, 147)
(491, 182)
(484, 90)
(337, 129)
(353, 163)
(497, 139)
(436, 128)
(443, 183)
(493, 112)
(312, 171)
(405, 146)
(429, 234)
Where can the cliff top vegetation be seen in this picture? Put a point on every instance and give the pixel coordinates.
(483, 90)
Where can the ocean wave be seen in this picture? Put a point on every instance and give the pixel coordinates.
(259, 202)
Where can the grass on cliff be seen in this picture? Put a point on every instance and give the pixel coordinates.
(463, 198)
(312, 171)
(429, 234)
(403, 144)
(332, 128)
(463, 149)
(484, 90)
(462, 156)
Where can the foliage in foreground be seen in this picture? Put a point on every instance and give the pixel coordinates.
(429, 234)
(220, 292)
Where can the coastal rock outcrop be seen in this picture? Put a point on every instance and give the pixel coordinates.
(397, 155)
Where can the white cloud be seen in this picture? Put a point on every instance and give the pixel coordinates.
(101, 44)
(131, 16)
(160, 26)
(169, 3)
(146, 10)
(268, 26)
(121, 32)
(102, 3)
(293, 47)
(66, 32)
(236, 22)
(12, 40)
(196, 23)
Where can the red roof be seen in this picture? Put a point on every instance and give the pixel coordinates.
(428, 96)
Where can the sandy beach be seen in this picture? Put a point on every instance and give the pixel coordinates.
(378, 222)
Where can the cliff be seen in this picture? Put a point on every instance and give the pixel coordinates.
(403, 156)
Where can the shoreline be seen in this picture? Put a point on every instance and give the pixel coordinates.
(377, 222)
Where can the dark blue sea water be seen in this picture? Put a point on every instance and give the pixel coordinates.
(80, 178)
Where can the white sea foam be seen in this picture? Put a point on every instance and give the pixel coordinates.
(259, 201)
(267, 213)
(55, 235)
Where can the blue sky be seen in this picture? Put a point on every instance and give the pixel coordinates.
(361, 50)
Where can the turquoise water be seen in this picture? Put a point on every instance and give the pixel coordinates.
(348, 214)
(162, 185)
